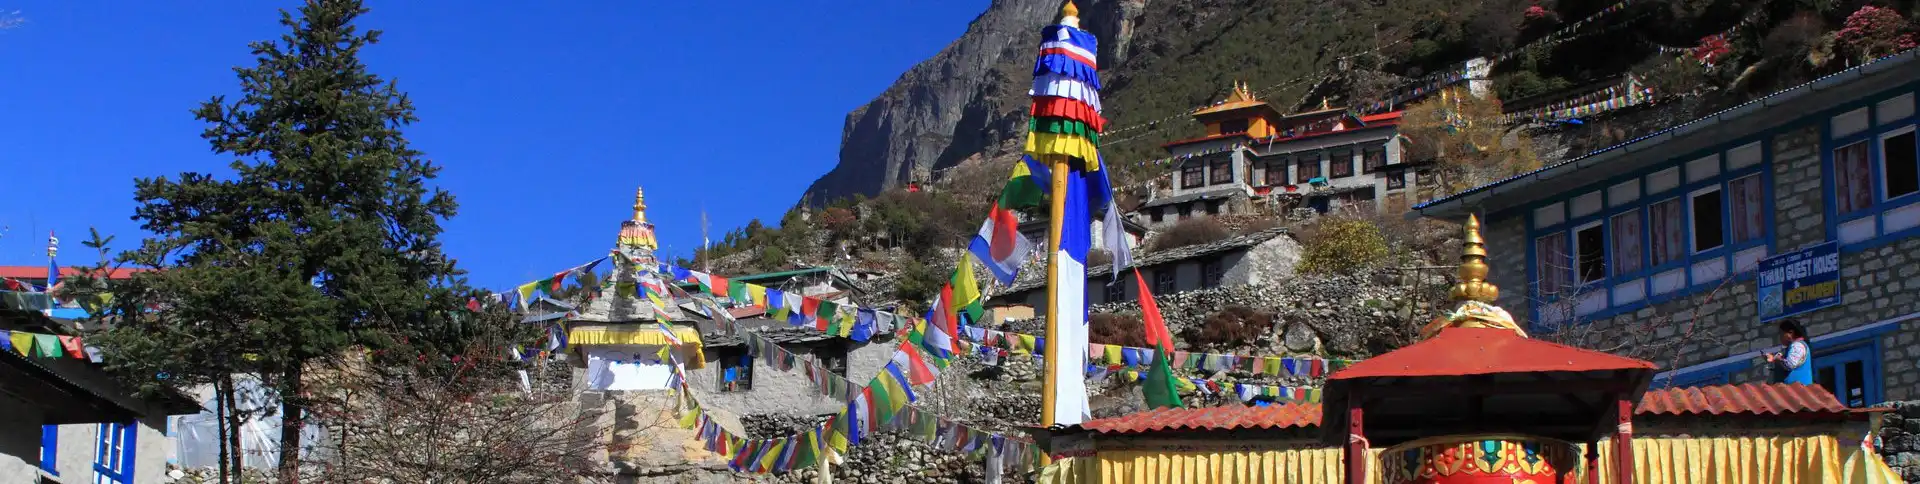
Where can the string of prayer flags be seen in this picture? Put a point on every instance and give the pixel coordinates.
(47, 345)
(551, 284)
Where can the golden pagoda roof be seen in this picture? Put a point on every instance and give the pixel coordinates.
(1241, 98)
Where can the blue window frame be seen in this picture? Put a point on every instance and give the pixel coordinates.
(1871, 177)
(50, 449)
(1594, 254)
(113, 453)
(1852, 373)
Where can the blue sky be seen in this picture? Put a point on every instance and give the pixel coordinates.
(545, 115)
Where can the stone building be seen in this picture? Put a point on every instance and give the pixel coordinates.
(66, 419)
(1261, 257)
(1731, 222)
(1252, 155)
(614, 341)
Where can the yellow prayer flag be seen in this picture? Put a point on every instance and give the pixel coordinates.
(22, 342)
(1026, 344)
(758, 294)
(778, 447)
(526, 293)
(1113, 355)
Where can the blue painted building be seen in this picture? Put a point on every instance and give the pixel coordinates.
(1664, 238)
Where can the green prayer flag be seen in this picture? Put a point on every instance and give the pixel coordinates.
(825, 313)
(1158, 386)
(46, 345)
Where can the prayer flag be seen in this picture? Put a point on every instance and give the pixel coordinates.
(966, 295)
(1000, 245)
(1160, 389)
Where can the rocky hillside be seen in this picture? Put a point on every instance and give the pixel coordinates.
(970, 96)
(1161, 58)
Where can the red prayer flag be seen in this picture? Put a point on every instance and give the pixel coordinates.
(1157, 335)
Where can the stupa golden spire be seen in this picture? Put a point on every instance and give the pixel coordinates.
(640, 205)
(1070, 15)
(1473, 294)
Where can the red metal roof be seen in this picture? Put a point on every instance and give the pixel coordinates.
(1750, 398)
(1484, 351)
(1229, 417)
(40, 272)
(1742, 399)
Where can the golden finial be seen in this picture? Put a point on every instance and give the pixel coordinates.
(1473, 285)
(1473, 294)
(639, 205)
(1069, 10)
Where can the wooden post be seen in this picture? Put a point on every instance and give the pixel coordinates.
(1356, 452)
(1048, 387)
(1593, 461)
(1623, 444)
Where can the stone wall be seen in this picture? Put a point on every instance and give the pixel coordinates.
(788, 392)
(1878, 284)
(1900, 439)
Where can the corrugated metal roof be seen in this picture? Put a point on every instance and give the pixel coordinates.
(40, 272)
(1752, 398)
(1485, 351)
(1231, 417)
(1682, 128)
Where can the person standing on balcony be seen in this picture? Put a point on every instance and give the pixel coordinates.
(1796, 364)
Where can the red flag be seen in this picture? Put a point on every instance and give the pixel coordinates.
(1157, 335)
(918, 373)
(948, 311)
(717, 285)
(473, 304)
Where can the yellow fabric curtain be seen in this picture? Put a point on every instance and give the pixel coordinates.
(690, 350)
(647, 335)
(1817, 459)
(1224, 466)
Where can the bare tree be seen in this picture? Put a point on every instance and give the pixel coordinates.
(463, 421)
(1660, 338)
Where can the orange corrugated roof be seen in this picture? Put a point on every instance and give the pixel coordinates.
(1750, 398)
(1485, 351)
(1229, 106)
(40, 272)
(1229, 417)
(1742, 399)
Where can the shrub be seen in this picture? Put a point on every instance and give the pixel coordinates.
(1232, 327)
(1191, 232)
(1340, 244)
(1116, 329)
(1873, 32)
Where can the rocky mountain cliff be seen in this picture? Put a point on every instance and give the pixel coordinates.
(1158, 59)
(970, 96)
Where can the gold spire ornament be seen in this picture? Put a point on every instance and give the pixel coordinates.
(1473, 294)
(1070, 15)
(640, 205)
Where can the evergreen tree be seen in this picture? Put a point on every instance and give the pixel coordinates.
(323, 237)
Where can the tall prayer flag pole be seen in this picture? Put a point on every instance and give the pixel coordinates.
(1065, 128)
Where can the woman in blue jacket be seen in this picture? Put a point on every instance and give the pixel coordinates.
(1796, 365)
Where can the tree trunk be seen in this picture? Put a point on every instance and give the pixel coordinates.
(220, 410)
(292, 421)
(236, 457)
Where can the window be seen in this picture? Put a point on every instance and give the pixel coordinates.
(1551, 251)
(1897, 164)
(1276, 173)
(1213, 207)
(833, 357)
(1708, 233)
(736, 371)
(1668, 234)
(1852, 374)
(1342, 164)
(1745, 195)
(1222, 173)
(1116, 292)
(1233, 126)
(1163, 281)
(1373, 159)
(1852, 183)
(1590, 243)
(1396, 179)
(1157, 214)
(1192, 176)
(50, 449)
(1627, 245)
(1306, 169)
(113, 454)
(1212, 272)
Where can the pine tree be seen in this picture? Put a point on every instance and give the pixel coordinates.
(323, 237)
